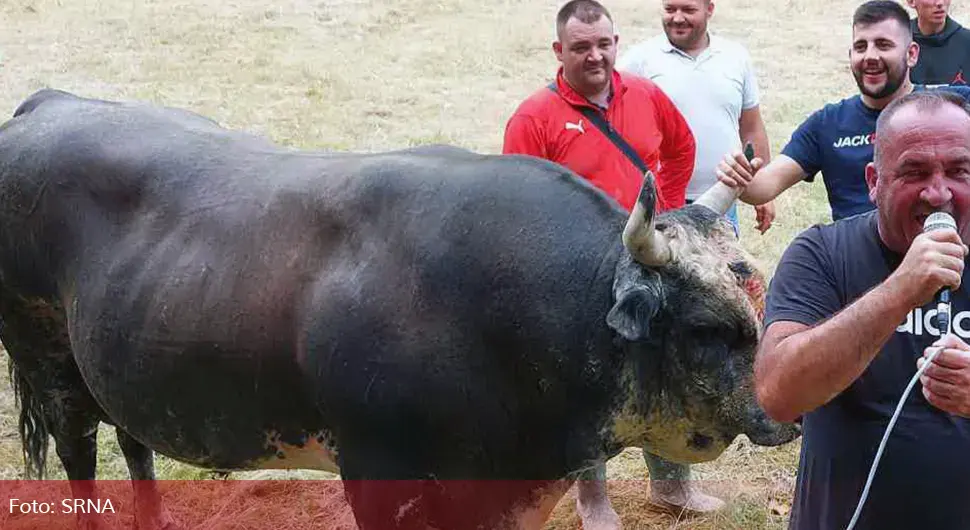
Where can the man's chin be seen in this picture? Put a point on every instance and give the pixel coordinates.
(680, 41)
(879, 91)
(599, 79)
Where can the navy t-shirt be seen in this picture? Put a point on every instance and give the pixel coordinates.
(837, 141)
(923, 480)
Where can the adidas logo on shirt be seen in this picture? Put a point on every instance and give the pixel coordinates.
(923, 322)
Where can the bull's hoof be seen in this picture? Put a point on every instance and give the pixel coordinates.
(683, 499)
(598, 515)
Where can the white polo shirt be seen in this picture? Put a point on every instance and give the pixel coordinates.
(710, 91)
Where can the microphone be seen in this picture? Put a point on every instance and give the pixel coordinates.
(941, 221)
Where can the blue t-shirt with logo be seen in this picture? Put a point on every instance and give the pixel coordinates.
(837, 141)
(923, 480)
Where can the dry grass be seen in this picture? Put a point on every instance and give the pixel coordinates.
(381, 74)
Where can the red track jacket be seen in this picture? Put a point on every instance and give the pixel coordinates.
(547, 126)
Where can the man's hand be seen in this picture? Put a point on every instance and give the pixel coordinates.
(735, 170)
(933, 261)
(946, 382)
(764, 215)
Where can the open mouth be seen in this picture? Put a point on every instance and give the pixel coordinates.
(921, 218)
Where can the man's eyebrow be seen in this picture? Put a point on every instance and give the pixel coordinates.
(910, 163)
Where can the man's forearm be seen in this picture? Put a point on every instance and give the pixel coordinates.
(773, 179)
(800, 372)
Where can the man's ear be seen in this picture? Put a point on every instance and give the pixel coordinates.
(634, 310)
(912, 54)
(557, 49)
(872, 180)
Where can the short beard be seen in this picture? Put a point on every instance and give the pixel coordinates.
(695, 36)
(891, 86)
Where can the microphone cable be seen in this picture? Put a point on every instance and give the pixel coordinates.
(943, 317)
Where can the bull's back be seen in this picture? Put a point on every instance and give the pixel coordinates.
(224, 293)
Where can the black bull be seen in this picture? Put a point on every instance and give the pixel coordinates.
(429, 314)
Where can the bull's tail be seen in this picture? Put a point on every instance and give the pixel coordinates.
(33, 428)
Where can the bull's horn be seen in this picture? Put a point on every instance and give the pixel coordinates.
(719, 197)
(645, 243)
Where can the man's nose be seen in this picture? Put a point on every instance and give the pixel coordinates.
(937, 192)
(595, 55)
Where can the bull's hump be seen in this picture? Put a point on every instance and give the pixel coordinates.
(42, 96)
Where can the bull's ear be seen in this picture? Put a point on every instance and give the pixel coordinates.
(632, 313)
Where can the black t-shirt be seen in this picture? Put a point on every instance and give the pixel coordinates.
(923, 480)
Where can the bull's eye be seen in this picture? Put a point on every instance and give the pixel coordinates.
(741, 268)
(715, 334)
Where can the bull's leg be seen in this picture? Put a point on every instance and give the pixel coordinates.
(75, 435)
(382, 504)
(53, 397)
(150, 513)
(535, 517)
(671, 488)
(593, 504)
(387, 504)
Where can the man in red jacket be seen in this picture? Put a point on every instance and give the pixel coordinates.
(549, 124)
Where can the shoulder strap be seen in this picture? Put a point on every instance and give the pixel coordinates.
(597, 119)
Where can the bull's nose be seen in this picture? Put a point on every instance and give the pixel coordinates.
(768, 433)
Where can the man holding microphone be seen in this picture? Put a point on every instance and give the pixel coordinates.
(850, 317)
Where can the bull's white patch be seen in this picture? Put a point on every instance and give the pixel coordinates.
(317, 453)
(664, 434)
(404, 509)
(669, 437)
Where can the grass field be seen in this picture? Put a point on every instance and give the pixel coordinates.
(382, 74)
